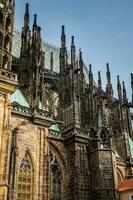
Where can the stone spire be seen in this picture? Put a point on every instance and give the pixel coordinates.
(99, 84)
(109, 89)
(35, 21)
(63, 37)
(124, 93)
(119, 89)
(73, 52)
(63, 52)
(26, 18)
(25, 32)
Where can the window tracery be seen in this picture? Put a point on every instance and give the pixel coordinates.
(104, 139)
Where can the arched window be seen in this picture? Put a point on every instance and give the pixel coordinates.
(104, 139)
(56, 178)
(7, 42)
(25, 179)
(5, 61)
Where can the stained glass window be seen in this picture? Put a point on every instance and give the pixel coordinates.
(25, 179)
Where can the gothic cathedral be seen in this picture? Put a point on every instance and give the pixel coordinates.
(62, 136)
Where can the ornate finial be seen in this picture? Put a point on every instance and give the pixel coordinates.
(108, 73)
(99, 83)
(118, 81)
(63, 30)
(72, 41)
(35, 20)
(63, 37)
(109, 89)
(107, 65)
(27, 9)
(51, 62)
(90, 69)
(80, 55)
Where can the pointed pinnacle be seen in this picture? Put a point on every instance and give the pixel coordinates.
(124, 92)
(99, 79)
(63, 30)
(90, 69)
(80, 55)
(27, 9)
(107, 65)
(108, 73)
(72, 41)
(35, 20)
(118, 81)
(63, 37)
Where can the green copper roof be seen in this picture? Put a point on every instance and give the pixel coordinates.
(56, 127)
(47, 48)
(19, 98)
(131, 146)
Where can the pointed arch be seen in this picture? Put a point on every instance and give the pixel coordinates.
(57, 173)
(25, 179)
(104, 137)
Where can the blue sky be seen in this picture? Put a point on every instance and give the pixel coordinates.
(102, 28)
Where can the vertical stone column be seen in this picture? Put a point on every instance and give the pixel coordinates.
(77, 168)
(102, 178)
(44, 169)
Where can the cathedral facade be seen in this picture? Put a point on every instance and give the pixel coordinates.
(62, 136)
